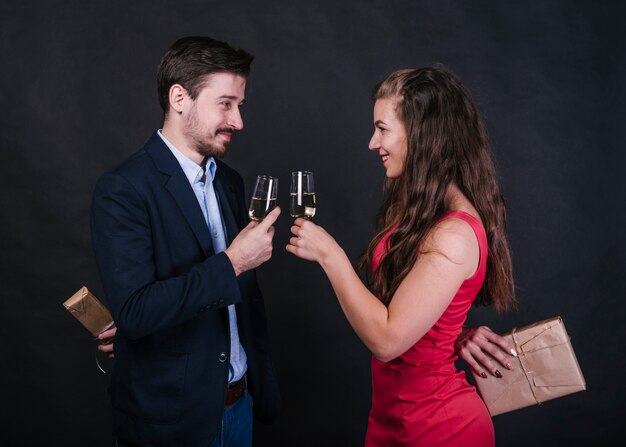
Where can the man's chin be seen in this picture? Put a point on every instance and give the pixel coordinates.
(215, 152)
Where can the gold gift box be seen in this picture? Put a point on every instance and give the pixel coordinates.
(544, 369)
(89, 311)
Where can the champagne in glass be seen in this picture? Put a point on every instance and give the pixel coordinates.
(302, 195)
(263, 197)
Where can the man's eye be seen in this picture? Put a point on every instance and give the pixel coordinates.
(226, 105)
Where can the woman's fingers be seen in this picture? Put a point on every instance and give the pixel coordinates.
(484, 350)
(470, 359)
(501, 342)
(499, 349)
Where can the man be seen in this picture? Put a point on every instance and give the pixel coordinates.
(176, 261)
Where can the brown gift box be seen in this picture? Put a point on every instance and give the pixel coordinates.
(544, 369)
(89, 311)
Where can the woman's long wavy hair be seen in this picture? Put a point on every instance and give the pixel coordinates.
(446, 144)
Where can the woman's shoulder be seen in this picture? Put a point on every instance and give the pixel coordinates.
(454, 237)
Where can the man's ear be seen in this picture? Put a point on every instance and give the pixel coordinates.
(177, 96)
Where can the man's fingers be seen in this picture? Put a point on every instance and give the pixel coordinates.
(252, 224)
(271, 217)
(106, 348)
(109, 333)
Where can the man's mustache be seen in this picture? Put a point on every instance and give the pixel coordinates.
(225, 130)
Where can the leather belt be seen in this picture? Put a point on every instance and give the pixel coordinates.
(234, 391)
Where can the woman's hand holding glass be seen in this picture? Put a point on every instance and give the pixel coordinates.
(311, 242)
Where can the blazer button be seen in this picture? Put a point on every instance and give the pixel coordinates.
(222, 357)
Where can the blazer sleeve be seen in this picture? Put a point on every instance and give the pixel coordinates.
(140, 303)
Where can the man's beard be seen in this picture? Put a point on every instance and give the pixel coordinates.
(206, 144)
(208, 147)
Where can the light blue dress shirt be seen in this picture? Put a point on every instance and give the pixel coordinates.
(201, 180)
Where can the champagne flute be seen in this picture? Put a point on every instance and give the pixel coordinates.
(263, 197)
(302, 195)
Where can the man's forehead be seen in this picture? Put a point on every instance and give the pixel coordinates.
(224, 84)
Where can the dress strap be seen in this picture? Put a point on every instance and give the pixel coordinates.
(473, 222)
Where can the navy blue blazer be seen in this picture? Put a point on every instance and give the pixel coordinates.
(168, 293)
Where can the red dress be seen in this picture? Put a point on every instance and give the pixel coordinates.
(419, 398)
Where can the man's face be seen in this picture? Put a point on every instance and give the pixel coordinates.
(210, 120)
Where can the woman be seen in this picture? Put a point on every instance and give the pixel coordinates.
(440, 247)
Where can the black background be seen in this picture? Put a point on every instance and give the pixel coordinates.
(77, 83)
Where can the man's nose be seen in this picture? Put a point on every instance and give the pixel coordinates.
(235, 120)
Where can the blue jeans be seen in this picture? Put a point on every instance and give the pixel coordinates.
(236, 429)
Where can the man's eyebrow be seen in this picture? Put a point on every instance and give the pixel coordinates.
(232, 98)
(379, 122)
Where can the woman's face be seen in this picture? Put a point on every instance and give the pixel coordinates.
(389, 138)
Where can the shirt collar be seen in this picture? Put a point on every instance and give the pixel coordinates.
(193, 171)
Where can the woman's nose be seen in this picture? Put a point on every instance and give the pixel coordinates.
(374, 143)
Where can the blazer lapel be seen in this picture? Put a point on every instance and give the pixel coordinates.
(178, 185)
